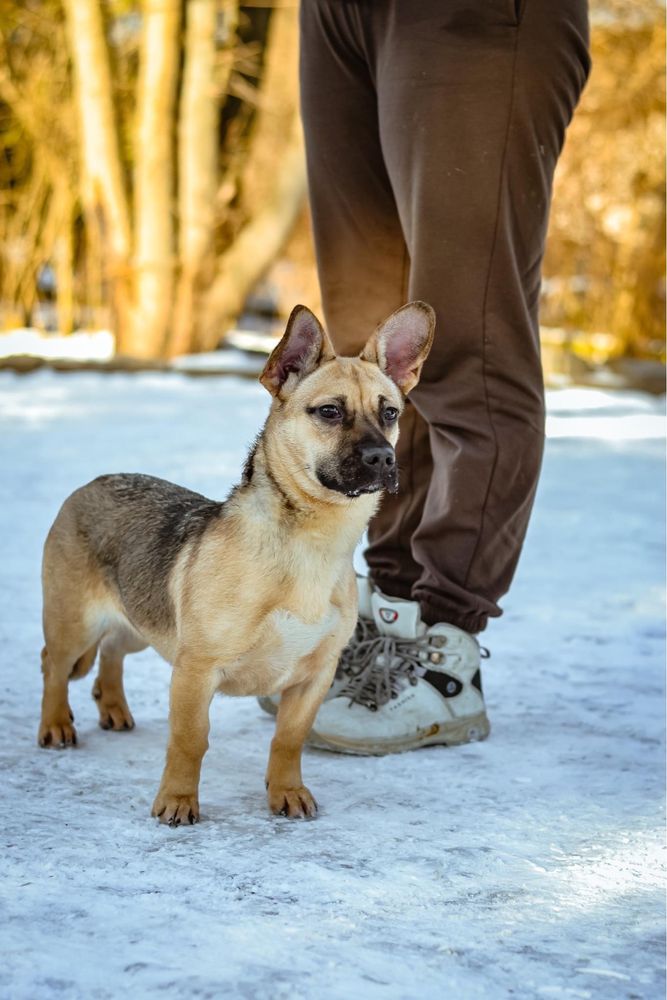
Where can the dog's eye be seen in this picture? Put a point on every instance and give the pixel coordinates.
(390, 414)
(329, 412)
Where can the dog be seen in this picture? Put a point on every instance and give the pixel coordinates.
(251, 596)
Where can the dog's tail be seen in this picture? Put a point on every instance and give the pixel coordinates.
(84, 664)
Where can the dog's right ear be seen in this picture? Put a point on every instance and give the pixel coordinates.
(303, 347)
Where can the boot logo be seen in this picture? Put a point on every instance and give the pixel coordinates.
(388, 616)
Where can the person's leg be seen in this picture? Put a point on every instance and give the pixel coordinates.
(473, 110)
(362, 259)
(474, 98)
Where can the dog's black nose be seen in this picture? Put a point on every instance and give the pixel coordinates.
(377, 456)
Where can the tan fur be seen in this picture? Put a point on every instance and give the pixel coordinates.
(263, 601)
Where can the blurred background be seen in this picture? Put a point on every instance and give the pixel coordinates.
(152, 185)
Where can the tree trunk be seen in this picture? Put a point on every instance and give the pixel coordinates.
(274, 179)
(103, 188)
(257, 245)
(198, 156)
(154, 256)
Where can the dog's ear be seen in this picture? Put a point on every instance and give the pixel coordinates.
(401, 344)
(303, 347)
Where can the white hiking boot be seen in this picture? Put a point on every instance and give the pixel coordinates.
(409, 686)
(365, 630)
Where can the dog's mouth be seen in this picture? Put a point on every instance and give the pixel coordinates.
(359, 487)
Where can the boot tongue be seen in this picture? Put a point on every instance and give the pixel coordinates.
(364, 593)
(393, 616)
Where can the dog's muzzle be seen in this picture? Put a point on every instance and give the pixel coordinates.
(368, 468)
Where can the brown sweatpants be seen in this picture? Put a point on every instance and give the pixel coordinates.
(432, 129)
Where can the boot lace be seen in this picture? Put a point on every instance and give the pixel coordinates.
(348, 664)
(378, 667)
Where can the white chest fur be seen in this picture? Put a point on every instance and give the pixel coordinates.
(296, 638)
(277, 657)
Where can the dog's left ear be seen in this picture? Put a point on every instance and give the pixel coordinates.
(303, 347)
(401, 344)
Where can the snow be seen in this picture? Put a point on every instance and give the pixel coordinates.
(94, 345)
(99, 345)
(527, 866)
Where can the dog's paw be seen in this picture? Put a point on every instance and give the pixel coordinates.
(297, 803)
(176, 810)
(114, 711)
(57, 733)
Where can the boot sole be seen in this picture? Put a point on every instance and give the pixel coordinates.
(472, 729)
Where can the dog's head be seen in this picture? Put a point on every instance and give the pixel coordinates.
(335, 419)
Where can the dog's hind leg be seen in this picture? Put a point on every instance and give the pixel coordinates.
(72, 630)
(108, 689)
(62, 661)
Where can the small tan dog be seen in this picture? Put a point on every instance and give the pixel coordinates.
(252, 596)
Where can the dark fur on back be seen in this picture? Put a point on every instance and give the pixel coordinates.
(135, 526)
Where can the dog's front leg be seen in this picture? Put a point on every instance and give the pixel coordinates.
(298, 707)
(193, 685)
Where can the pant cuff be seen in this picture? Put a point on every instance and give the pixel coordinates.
(434, 613)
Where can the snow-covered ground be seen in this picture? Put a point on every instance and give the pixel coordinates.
(243, 354)
(527, 866)
(93, 345)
